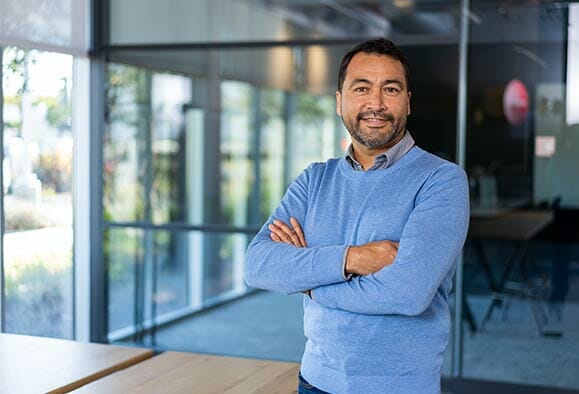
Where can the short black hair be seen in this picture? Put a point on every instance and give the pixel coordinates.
(378, 46)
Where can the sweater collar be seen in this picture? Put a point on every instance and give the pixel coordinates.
(386, 159)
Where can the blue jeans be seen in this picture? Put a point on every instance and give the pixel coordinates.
(305, 388)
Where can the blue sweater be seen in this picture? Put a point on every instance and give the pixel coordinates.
(381, 333)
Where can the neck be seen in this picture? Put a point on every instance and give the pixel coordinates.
(362, 156)
(366, 156)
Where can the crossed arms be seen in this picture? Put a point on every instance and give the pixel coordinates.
(360, 260)
(390, 278)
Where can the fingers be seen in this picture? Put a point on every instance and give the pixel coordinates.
(275, 238)
(386, 243)
(277, 234)
(290, 232)
(299, 231)
(283, 233)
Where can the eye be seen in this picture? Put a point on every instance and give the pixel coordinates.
(361, 89)
(391, 90)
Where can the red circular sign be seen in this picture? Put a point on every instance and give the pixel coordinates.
(516, 102)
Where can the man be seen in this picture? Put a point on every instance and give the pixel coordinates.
(372, 240)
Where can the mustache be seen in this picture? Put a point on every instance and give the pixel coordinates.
(382, 115)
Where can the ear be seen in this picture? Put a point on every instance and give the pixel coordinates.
(339, 103)
(408, 109)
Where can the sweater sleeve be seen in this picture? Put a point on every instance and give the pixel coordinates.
(285, 268)
(429, 245)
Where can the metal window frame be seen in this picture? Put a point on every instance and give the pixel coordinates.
(457, 339)
(98, 280)
(81, 199)
(2, 306)
(98, 38)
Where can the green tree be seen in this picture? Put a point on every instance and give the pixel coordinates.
(15, 68)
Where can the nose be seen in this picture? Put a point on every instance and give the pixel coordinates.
(375, 101)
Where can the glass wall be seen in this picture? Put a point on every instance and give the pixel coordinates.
(189, 176)
(237, 144)
(37, 193)
(257, 113)
(272, 150)
(521, 257)
(255, 118)
(227, 20)
(143, 182)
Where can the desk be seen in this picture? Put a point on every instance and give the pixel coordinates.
(175, 372)
(518, 227)
(479, 213)
(511, 226)
(40, 365)
(496, 208)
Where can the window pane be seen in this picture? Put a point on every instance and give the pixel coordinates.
(171, 266)
(203, 150)
(227, 20)
(38, 211)
(123, 256)
(60, 23)
(126, 115)
(157, 274)
(522, 165)
(315, 131)
(144, 174)
(237, 131)
(272, 151)
(148, 276)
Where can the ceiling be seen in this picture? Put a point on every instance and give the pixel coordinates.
(422, 20)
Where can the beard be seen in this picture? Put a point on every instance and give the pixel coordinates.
(375, 138)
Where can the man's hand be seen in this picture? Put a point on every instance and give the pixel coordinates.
(294, 235)
(371, 257)
(361, 260)
(281, 232)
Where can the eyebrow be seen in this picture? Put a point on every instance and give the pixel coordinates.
(360, 80)
(386, 82)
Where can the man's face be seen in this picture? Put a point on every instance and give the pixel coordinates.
(374, 101)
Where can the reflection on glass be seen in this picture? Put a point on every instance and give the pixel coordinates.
(144, 174)
(126, 114)
(172, 159)
(148, 275)
(37, 172)
(57, 24)
(313, 137)
(272, 151)
(154, 275)
(169, 95)
(264, 133)
(520, 259)
(227, 20)
(123, 256)
(223, 273)
(170, 272)
(237, 131)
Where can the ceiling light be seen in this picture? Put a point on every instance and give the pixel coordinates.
(403, 3)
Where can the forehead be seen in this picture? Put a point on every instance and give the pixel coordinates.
(374, 67)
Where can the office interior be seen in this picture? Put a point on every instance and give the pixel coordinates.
(144, 144)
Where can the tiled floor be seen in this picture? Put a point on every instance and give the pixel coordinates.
(269, 325)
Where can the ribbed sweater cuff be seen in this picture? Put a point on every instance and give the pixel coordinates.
(344, 258)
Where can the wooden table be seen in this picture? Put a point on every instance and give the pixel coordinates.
(46, 365)
(175, 372)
